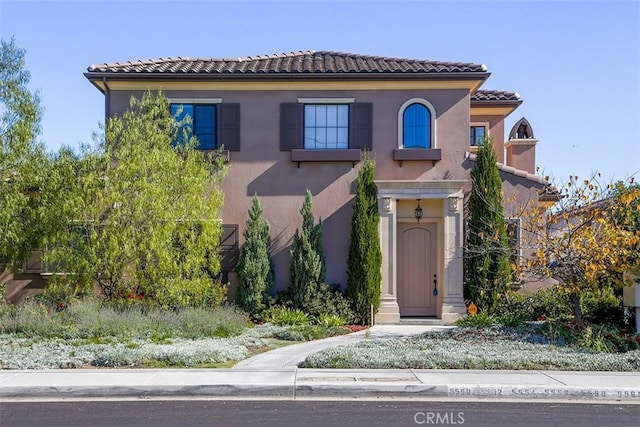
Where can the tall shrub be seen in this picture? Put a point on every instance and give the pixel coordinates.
(365, 257)
(487, 270)
(308, 268)
(254, 266)
(24, 163)
(145, 212)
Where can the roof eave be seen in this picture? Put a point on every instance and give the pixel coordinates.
(496, 103)
(99, 75)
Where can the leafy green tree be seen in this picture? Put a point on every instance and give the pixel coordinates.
(145, 212)
(254, 264)
(308, 267)
(588, 239)
(23, 160)
(487, 271)
(365, 257)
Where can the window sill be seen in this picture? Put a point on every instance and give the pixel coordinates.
(417, 154)
(335, 155)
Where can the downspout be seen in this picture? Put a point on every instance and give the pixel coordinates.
(107, 100)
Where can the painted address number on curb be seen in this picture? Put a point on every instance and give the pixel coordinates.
(543, 392)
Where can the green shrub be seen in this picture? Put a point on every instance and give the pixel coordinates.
(329, 321)
(307, 269)
(543, 304)
(308, 333)
(486, 262)
(289, 316)
(255, 272)
(512, 320)
(482, 319)
(621, 340)
(327, 300)
(180, 293)
(365, 257)
(602, 308)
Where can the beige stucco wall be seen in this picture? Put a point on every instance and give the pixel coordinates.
(260, 167)
(496, 131)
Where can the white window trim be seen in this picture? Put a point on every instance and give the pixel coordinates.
(431, 109)
(326, 100)
(195, 100)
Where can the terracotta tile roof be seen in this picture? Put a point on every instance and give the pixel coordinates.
(322, 62)
(547, 193)
(494, 95)
(513, 171)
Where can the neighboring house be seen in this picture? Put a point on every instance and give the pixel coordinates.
(301, 120)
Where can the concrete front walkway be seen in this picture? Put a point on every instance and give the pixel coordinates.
(290, 356)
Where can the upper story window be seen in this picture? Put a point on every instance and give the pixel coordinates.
(213, 123)
(416, 124)
(477, 135)
(326, 126)
(203, 122)
(332, 125)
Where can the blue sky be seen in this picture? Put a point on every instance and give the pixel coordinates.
(576, 64)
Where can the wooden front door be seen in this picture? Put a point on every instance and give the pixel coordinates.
(417, 265)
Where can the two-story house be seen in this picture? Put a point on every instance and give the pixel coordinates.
(301, 120)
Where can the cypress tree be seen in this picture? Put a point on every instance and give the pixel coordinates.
(254, 265)
(487, 271)
(365, 256)
(308, 267)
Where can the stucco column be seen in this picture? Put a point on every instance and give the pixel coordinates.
(389, 311)
(452, 289)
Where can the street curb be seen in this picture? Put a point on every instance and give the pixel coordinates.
(464, 391)
(328, 390)
(275, 391)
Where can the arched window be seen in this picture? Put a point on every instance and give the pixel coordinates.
(416, 124)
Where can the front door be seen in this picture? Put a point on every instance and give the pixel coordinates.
(417, 267)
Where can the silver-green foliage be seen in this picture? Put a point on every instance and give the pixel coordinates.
(145, 212)
(18, 352)
(254, 269)
(468, 348)
(90, 318)
(26, 353)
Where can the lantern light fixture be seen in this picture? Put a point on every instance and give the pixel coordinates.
(418, 211)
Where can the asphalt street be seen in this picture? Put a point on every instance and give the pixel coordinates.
(243, 413)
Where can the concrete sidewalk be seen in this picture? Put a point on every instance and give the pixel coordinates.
(294, 383)
(275, 375)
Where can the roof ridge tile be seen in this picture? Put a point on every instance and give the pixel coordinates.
(302, 61)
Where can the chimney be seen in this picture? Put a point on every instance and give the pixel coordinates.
(521, 147)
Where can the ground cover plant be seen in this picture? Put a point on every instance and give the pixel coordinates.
(475, 348)
(92, 333)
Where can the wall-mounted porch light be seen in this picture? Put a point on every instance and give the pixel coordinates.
(418, 211)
